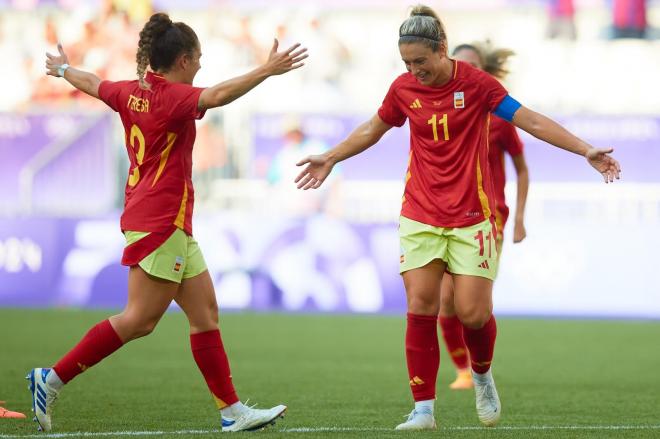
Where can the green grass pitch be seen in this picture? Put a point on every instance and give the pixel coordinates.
(556, 378)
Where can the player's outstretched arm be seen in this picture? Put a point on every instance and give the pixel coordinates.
(522, 172)
(319, 166)
(546, 129)
(232, 89)
(58, 66)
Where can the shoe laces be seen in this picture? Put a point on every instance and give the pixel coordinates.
(410, 415)
(247, 401)
(414, 412)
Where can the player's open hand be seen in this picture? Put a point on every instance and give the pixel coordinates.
(600, 159)
(317, 169)
(282, 62)
(519, 232)
(53, 62)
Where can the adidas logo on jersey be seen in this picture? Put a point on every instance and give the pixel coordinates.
(416, 104)
(484, 265)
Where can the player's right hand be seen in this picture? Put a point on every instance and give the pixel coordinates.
(601, 160)
(282, 62)
(317, 170)
(53, 62)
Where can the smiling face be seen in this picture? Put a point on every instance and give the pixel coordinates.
(425, 64)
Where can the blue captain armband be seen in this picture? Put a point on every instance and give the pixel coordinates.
(507, 108)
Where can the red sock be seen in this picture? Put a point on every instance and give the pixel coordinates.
(422, 355)
(212, 361)
(452, 332)
(98, 343)
(481, 344)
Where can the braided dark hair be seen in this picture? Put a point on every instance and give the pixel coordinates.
(161, 42)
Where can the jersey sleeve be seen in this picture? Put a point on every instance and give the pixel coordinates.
(182, 102)
(390, 111)
(511, 140)
(493, 92)
(109, 92)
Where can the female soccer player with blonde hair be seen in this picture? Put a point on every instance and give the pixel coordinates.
(502, 139)
(447, 220)
(158, 111)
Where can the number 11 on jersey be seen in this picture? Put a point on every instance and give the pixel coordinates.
(435, 122)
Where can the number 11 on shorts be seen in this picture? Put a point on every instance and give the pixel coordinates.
(480, 237)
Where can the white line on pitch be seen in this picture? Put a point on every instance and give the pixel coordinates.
(329, 430)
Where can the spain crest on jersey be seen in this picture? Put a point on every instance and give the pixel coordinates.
(459, 99)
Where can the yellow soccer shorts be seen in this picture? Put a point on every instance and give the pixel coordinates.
(466, 250)
(178, 258)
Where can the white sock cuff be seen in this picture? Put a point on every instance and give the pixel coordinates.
(429, 403)
(482, 377)
(53, 380)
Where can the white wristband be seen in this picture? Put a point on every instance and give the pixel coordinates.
(61, 69)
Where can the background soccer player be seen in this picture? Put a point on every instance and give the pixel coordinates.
(502, 138)
(158, 112)
(446, 219)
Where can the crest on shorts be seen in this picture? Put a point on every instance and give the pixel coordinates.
(178, 262)
(459, 99)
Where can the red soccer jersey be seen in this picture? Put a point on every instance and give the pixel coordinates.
(503, 138)
(159, 126)
(448, 183)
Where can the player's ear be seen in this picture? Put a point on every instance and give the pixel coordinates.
(183, 61)
(443, 50)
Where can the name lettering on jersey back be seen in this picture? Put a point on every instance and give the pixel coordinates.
(138, 104)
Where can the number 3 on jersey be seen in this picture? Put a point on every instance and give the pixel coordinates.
(136, 133)
(435, 122)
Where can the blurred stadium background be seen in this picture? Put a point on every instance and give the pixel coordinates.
(591, 249)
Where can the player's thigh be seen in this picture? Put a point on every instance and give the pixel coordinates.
(197, 299)
(447, 296)
(473, 299)
(148, 299)
(423, 287)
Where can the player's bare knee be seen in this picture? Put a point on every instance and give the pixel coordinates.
(447, 305)
(423, 305)
(213, 313)
(475, 319)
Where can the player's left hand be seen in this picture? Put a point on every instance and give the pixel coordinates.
(53, 62)
(285, 61)
(519, 232)
(600, 159)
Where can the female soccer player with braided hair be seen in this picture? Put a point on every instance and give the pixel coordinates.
(447, 218)
(502, 138)
(158, 112)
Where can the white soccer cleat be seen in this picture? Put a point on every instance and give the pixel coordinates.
(251, 419)
(43, 397)
(489, 408)
(418, 419)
